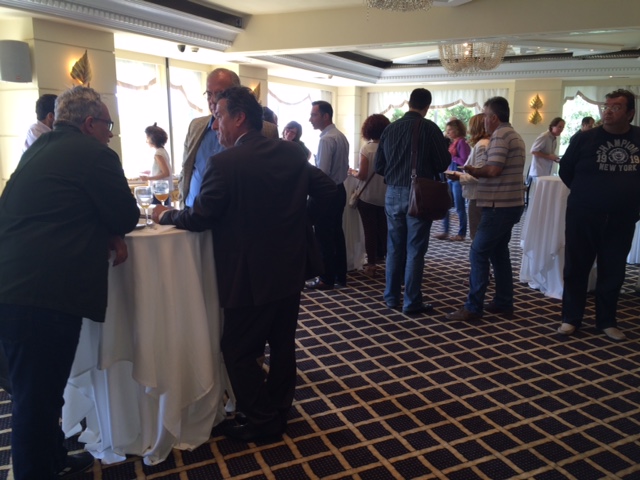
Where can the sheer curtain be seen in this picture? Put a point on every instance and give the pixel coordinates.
(382, 102)
(595, 96)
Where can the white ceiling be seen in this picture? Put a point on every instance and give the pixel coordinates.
(296, 38)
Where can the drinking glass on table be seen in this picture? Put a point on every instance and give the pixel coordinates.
(160, 189)
(144, 197)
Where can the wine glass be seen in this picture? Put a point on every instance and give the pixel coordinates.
(144, 197)
(160, 189)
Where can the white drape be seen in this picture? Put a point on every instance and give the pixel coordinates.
(595, 96)
(382, 102)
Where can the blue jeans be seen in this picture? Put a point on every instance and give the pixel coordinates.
(459, 202)
(491, 246)
(407, 243)
(40, 345)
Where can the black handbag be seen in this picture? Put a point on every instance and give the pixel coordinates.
(429, 199)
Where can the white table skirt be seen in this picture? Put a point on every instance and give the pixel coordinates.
(542, 237)
(353, 231)
(634, 253)
(151, 378)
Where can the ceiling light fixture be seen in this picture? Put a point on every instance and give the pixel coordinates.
(471, 57)
(399, 5)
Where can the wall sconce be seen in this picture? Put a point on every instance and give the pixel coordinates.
(256, 92)
(81, 70)
(536, 104)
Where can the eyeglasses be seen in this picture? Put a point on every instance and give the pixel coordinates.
(613, 108)
(108, 122)
(211, 95)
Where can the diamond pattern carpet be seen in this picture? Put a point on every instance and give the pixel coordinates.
(382, 395)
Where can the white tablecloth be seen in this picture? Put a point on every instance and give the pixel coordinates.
(542, 237)
(353, 231)
(634, 253)
(151, 377)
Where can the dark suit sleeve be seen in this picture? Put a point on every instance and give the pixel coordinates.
(209, 205)
(321, 192)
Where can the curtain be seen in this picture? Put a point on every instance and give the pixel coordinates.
(382, 102)
(595, 96)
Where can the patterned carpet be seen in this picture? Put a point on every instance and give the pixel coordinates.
(385, 396)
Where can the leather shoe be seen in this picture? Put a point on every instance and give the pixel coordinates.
(463, 315)
(424, 308)
(491, 307)
(566, 329)
(614, 333)
(246, 431)
(76, 464)
(319, 285)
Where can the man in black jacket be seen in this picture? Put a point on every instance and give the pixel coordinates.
(254, 199)
(65, 206)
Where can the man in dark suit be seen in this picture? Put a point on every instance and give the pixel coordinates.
(254, 199)
(66, 204)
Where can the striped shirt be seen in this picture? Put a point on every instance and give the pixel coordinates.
(393, 159)
(506, 149)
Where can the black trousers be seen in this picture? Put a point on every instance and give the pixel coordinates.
(591, 236)
(246, 332)
(330, 236)
(40, 346)
(374, 224)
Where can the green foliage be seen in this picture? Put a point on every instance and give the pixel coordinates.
(397, 113)
(440, 116)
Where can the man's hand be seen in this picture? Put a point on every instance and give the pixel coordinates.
(158, 210)
(117, 244)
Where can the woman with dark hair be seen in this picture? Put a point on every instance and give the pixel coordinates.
(543, 150)
(160, 170)
(292, 133)
(459, 150)
(371, 200)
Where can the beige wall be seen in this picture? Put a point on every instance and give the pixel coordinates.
(55, 47)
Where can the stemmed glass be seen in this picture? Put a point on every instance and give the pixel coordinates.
(144, 197)
(160, 189)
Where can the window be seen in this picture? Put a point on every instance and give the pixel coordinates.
(293, 103)
(573, 111)
(143, 100)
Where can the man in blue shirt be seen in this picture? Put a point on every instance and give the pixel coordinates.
(202, 142)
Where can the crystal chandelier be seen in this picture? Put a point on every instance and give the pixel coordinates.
(399, 5)
(472, 56)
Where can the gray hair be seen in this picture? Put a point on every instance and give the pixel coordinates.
(76, 104)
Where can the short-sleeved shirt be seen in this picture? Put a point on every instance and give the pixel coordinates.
(545, 143)
(506, 150)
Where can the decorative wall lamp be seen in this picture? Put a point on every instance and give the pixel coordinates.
(81, 70)
(536, 104)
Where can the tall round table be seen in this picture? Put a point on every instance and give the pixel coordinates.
(151, 378)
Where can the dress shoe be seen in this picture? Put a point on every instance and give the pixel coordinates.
(566, 329)
(491, 307)
(614, 334)
(442, 236)
(463, 315)
(76, 464)
(424, 308)
(244, 430)
(319, 285)
(457, 238)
